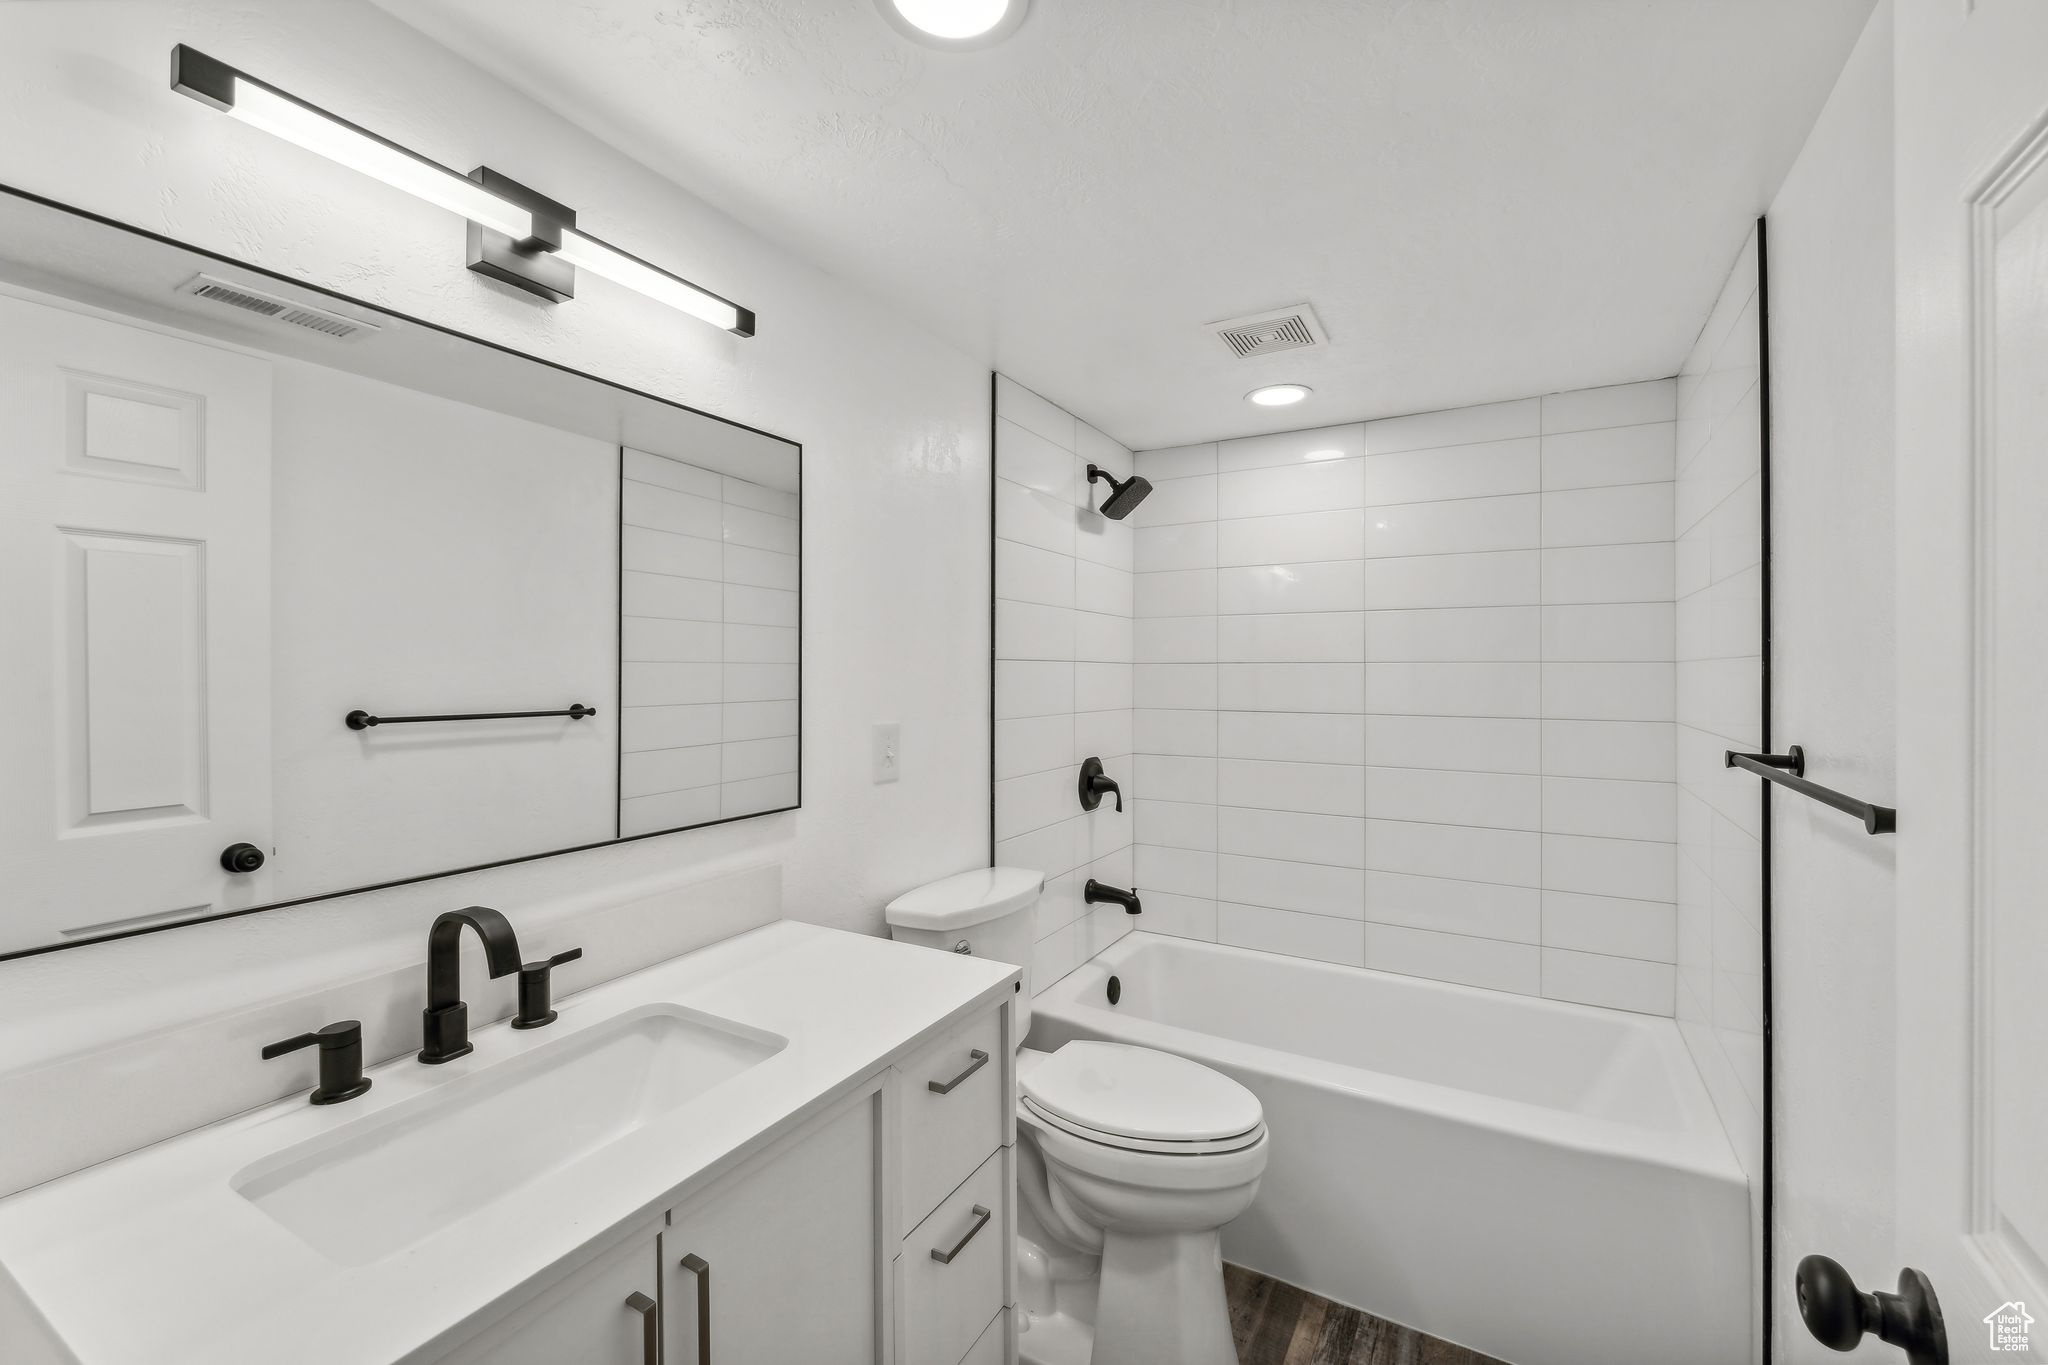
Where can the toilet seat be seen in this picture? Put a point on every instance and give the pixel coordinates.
(1139, 1099)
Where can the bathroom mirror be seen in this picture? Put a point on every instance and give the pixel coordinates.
(301, 597)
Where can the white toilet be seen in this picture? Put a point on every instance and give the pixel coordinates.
(1129, 1162)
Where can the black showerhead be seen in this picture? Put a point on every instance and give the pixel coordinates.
(1122, 496)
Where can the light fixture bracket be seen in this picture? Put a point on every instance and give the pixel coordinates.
(528, 264)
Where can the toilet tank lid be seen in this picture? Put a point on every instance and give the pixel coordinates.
(966, 898)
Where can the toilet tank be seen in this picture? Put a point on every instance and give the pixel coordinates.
(989, 912)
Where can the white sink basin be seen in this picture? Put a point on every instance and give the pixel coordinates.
(375, 1187)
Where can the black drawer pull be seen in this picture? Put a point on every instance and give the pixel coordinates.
(981, 1217)
(946, 1087)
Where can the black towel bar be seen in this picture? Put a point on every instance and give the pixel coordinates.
(1789, 770)
(363, 720)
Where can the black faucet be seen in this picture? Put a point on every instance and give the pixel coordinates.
(1095, 891)
(444, 1024)
(341, 1060)
(1094, 785)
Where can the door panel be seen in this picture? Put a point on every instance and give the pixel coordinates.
(135, 561)
(598, 1316)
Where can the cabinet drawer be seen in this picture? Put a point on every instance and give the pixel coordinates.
(943, 1307)
(946, 1135)
(988, 1348)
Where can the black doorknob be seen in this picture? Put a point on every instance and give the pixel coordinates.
(241, 857)
(1839, 1314)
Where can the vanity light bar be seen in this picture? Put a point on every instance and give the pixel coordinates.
(516, 236)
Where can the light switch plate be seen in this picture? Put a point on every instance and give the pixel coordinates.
(888, 752)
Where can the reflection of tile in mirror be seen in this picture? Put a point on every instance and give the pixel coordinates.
(709, 645)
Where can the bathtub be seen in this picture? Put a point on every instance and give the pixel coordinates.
(1544, 1182)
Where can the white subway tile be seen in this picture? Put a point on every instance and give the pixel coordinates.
(1176, 462)
(660, 552)
(1174, 639)
(1610, 691)
(760, 644)
(1185, 545)
(1316, 788)
(1018, 404)
(1436, 796)
(1053, 956)
(1312, 888)
(1605, 924)
(1181, 871)
(1318, 445)
(669, 810)
(1093, 447)
(1101, 637)
(1294, 538)
(1607, 516)
(1475, 471)
(1461, 527)
(1610, 809)
(1616, 982)
(675, 599)
(1176, 592)
(1176, 824)
(1034, 518)
(651, 772)
(1102, 686)
(1177, 500)
(754, 795)
(1181, 916)
(1033, 802)
(1455, 635)
(1634, 869)
(1290, 687)
(1338, 840)
(1610, 573)
(1103, 734)
(761, 530)
(643, 467)
(1291, 737)
(1179, 686)
(1431, 689)
(759, 719)
(1291, 488)
(1267, 930)
(647, 639)
(1511, 857)
(1033, 744)
(746, 759)
(670, 727)
(1615, 455)
(1100, 588)
(1025, 457)
(1291, 637)
(665, 509)
(1456, 743)
(1497, 578)
(1031, 688)
(746, 493)
(758, 606)
(670, 684)
(1098, 540)
(1051, 849)
(1191, 734)
(1491, 963)
(1611, 633)
(1185, 779)
(1026, 630)
(1453, 427)
(1452, 906)
(1641, 751)
(1653, 400)
(1335, 586)
(761, 568)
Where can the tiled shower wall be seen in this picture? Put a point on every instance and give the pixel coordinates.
(1404, 695)
(1720, 689)
(1062, 671)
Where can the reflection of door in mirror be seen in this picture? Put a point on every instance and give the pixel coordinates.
(708, 645)
(135, 602)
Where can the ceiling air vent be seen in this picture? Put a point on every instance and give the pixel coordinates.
(255, 301)
(1281, 329)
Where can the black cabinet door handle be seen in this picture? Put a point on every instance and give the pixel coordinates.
(981, 1217)
(980, 1059)
(650, 1326)
(701, 1268)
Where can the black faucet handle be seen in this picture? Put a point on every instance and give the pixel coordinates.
(1095, 785)
(341, 1060)
(536, 990)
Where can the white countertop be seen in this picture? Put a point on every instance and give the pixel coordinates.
(153, 1259)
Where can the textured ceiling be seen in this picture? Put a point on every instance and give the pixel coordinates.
(1482, 198)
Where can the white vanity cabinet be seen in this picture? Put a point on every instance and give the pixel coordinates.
(819, 1248)
(607, 1313)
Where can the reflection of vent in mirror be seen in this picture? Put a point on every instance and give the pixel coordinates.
(1282, 329)
(249, 300)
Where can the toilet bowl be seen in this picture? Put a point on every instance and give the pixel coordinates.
(1130, 1161)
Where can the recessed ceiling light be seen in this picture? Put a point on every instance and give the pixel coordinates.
(1278, 395)
(954, 23)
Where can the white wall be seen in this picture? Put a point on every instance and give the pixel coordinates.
(1063, 673)
(894, 425)
(1404, 694)
(1832, 334)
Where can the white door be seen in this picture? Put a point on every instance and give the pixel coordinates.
(784, 1263)
(1972, 1040)
(135, 616)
